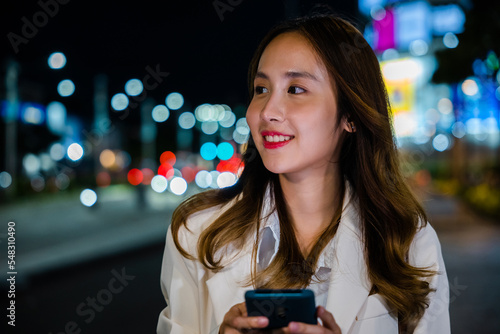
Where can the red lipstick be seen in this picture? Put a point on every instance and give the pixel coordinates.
(275, 144)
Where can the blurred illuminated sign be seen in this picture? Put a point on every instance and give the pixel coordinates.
(412, 22)
(448, 18)
(384, 31)
(400, 77)
(396, 24)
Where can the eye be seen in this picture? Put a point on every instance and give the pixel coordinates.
(260, 90)
(295, 90)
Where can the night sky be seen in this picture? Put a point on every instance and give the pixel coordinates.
(207, 58)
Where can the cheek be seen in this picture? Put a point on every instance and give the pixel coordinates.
(252, 119)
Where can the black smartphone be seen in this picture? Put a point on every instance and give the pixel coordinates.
(282, 306)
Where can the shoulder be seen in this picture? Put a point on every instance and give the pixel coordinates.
(425, 249)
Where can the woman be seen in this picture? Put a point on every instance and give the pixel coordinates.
(321, 203)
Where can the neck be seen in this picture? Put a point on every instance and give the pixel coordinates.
(312, 201)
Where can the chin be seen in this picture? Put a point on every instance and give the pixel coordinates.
(274, 167)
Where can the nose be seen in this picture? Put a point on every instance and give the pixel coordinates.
(274, 109)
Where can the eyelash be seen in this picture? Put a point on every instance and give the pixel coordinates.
(259, 90)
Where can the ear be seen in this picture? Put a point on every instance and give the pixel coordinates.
(348, 126)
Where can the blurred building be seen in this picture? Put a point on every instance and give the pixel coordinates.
(407, 35)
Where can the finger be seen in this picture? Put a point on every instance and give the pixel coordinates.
(327, 319)
(299, 327)
(242, 307)
(249, 322)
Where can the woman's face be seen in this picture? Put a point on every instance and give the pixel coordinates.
(293, 113)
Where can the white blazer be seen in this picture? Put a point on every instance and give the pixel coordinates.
(197, 299)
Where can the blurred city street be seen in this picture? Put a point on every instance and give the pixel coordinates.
(59, 277)
(112, 113)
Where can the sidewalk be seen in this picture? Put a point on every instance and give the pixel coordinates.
(51, 234)
(471, 250)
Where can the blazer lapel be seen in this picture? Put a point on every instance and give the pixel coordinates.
(349, 283)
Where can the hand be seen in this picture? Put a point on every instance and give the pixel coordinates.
(329, 325)
(237, 321)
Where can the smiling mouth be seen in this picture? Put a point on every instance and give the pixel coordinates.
(277, 139)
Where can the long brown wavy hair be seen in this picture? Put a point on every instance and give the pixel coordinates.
(390, 214)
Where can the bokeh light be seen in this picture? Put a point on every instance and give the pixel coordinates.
(203, 179)
(62, 181)
(66, 88)
(168, 157)
(31, 164)
(209, 127)
(174, 101)
(134, 87)
(160, 113)
(178, 186)
(56, 151)
(166, 170)
(33, 115)
(418, 47)
(88, 197)
(233, 165)
(56, 117)
(226, 179)
(445, 106)
(159, 183)
(5, 179)
(57, 60)
(103, 179)
(46, 162)
(135, 176)
(148, 175)
(458, 129)
(107, 158)
(377, 13)
(225, 151)
(37, 183)
(75, 152)
(441, 142)
(208, 151)
(450, 40)
(187, 120)
(469, 87)
(228, 120)
(188, 173)
(122, 160)
(119, 101)
(215, 176)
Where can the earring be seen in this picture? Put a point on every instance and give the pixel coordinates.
(352, 126)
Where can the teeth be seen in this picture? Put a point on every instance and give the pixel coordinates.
(276, 138)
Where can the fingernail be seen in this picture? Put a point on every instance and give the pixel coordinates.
(262, 321)
(293, 326)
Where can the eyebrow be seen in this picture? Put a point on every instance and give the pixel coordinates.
(289, 74)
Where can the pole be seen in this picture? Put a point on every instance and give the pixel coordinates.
(12, 97)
